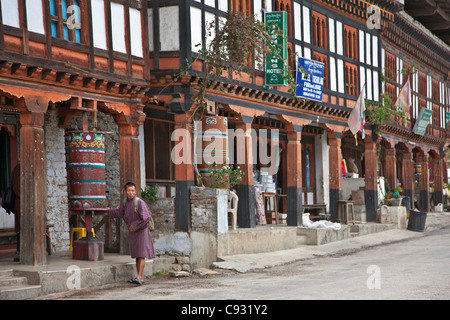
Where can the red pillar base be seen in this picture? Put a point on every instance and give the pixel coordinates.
(89, 249)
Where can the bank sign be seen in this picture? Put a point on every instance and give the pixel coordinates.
(276, 27)
(310, 75)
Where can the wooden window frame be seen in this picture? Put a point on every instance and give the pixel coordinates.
(61, 22)
(351, 79)
(320, 57)
(151, 160)
(320, 30)
(241, 6)
(351, 42)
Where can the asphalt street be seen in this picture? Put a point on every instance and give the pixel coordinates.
(413, 268)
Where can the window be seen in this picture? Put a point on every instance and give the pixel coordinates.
(158, 147)
(284, 6)
(10, 13)
(324, 59)
(65, 16)
(351, 79)
(422, 84)
(320, 30)
(118, 27)
(351, 42)
(99, 24)
(241, 6)
(391, 67)
(136, 32)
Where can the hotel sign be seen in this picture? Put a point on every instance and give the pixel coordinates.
(276, 27)
(422, 121)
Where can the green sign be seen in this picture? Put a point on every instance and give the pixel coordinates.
(422, 121)
(276, 27)
(447, 118)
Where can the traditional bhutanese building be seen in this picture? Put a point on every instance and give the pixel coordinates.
(123, 62)
(357, 41)
(407, 150)
(67, 65)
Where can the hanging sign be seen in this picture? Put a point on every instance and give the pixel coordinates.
(276, 27)
(310, 75)
(422, 121)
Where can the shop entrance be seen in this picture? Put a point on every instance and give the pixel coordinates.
(8, 160)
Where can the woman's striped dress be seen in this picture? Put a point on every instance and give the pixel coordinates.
(141, 243)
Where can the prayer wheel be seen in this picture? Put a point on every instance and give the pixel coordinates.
(214, 142)
(418, 169)
(87, 170)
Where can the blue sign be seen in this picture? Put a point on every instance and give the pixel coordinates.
(310, 75)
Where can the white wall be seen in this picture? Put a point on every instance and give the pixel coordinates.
(322, 165)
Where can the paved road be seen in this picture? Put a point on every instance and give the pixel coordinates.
(417, 268)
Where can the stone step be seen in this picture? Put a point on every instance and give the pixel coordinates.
(302, 240)
(12, 281)
(21, 292)
(16, 287)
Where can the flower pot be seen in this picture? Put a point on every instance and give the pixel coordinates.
(395, 202)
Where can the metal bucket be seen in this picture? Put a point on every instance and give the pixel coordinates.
(87, 170)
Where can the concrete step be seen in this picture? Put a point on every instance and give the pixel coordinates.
(12, 281)
(302, 240)
(19, 292)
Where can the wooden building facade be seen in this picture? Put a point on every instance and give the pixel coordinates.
(123, 58)
(313, 136)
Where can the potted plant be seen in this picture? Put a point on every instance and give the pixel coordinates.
(396, 199)
(225, 176)
(149, 193)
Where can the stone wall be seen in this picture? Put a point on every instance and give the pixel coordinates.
(198, 247)
(57, 200)
(167, 241)
(58, 186)
(208, 220)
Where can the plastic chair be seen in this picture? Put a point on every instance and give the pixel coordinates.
(81, 234)
(232, 208)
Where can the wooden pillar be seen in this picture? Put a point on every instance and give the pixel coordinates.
(408, 177)
(184, 171)
(294, 179)
(130, 170)
(370, 176)
(245, 190)
(335, 173)
(390, 168)
(438, 182)
(424, 198)
(32, 182)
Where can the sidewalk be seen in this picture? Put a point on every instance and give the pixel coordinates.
(248, 262)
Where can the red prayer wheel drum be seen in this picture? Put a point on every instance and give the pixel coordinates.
(214, 141)
(87, 170)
